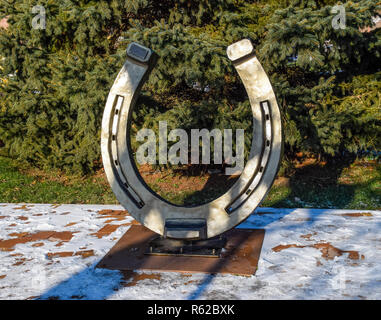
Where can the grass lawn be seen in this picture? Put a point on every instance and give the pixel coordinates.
(35, 186)
(318, 185)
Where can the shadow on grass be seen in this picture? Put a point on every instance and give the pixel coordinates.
(323, 186)
(216, 186)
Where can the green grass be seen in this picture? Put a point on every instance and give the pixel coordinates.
(357, 186)
(52, 187)
(351, 186)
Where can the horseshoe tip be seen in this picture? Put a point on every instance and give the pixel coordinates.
(240, 49)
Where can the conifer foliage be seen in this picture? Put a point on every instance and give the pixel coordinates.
(54, 82)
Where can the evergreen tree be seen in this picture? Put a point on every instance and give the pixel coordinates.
(326, 76)
(54, 82)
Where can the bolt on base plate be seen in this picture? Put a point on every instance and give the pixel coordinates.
(203, 248)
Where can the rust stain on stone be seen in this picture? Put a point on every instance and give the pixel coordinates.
(354, 255)
(71, 224)
(3, 217)
(64, 236)
(131, 223)
(283, 247)
(186, 275)
(38, 244)
(106, 230)
(133, 278)
(63, 254)
(3, 276)
(308, 236)
(7, 245)
(16, 255)
(23, 207)
(22, 218)
(18, 234)
(328, 251)
(85, 253)
(115, 214)
(19, 262)
(112, 220)
(358, 214)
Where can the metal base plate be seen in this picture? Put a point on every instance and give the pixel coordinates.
(239, 256)
(202, 248)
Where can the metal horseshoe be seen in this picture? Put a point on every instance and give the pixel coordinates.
(229, 210)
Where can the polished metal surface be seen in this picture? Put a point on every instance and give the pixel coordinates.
(223, 213)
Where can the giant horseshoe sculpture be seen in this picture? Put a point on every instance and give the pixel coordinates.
(222, 214)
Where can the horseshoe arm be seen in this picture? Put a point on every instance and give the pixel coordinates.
(267, 140)
(124, 92)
